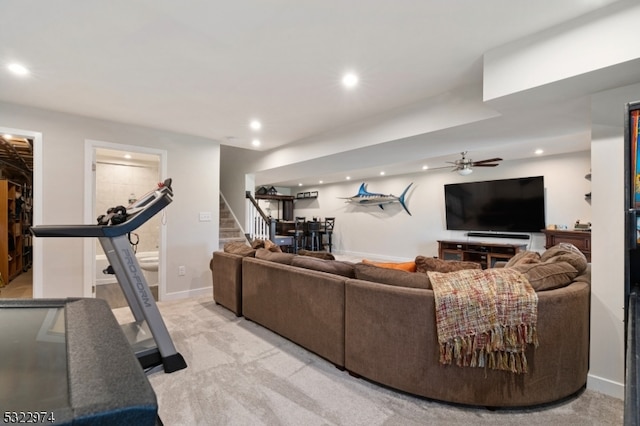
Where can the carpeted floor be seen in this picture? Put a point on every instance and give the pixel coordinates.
(240, 373)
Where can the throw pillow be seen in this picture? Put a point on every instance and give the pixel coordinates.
(318, 254)
(278, 257)
(523, 258)
(271, 246)
(335, 267)
(257, 243)
(547, 276)
(241, 249)
(565, 252)
(396, 277)
(425, 264)
(403, 266)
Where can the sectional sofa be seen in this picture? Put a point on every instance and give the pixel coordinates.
(379, 323)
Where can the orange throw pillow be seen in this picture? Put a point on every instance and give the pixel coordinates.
(403, 266)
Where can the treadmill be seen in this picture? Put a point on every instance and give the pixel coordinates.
(148, 334)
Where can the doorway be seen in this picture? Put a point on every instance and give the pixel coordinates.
(119, 175)
(20, 198)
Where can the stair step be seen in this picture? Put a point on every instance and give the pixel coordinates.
(227, 223)
(230, 233)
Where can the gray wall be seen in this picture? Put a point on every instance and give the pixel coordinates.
(192, 162)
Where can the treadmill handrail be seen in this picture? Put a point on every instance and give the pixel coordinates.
(87, 231)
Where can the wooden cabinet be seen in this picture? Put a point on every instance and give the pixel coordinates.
(580, 239)
(487, 254)
(11, 232)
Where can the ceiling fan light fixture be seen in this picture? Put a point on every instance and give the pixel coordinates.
(465, 171)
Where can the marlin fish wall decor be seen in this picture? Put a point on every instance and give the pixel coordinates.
(365, 198)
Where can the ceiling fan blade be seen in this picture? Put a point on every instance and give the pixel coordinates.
(485, 165)
(489, 160)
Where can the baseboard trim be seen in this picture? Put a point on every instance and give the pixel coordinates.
(605, 386)
(198, 292)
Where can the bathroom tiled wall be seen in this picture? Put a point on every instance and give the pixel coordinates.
(116, 184)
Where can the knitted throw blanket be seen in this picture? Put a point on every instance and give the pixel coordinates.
(485, 318)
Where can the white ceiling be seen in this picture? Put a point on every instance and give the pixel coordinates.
(207, 68)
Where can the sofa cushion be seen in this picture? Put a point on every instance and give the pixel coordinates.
(335, 267)
(523, 258)
(403, 266)
(239, 248)
(397, 277)
(278, 257)
(266, 244)
(425, 264)
(547, 276)
(566, 252)
(317, 254)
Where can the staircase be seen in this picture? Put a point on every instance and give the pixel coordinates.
(229, 229)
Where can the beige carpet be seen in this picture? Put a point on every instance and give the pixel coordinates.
(240, 373)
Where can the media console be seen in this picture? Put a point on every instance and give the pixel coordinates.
(487, 254)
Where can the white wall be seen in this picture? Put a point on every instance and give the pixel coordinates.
(115, 184)
(578, 48)
(370, 232)
(193, 163)
(235, 163)
(607, 284)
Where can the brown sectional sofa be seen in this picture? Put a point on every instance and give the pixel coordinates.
(227, 280)
(303, 305)
(385, 331)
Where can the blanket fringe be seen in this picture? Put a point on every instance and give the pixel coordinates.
(489, 350)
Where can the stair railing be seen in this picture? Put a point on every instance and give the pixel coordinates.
(260, 225)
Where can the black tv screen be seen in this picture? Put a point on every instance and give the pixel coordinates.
(506, 205)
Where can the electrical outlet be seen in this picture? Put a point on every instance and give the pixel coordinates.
(182, 270)
(205, 217)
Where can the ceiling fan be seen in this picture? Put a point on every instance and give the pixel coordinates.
(464, 166)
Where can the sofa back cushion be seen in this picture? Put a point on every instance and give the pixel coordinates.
(566, 252)
(317, 254)
(556, 267)
(335, 267)
(400, 278)
(278, 257)
(547, 276)
(239, 248)
(425, 264)
(523, 258)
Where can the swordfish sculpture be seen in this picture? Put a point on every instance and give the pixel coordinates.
(365, 198)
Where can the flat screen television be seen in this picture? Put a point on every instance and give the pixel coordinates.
(505, 205)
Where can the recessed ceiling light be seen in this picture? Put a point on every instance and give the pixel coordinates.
(348, 177)
(127, 156)
(425, 167)
(255, 142)
(300, 184)
(350, 80)
(539, 151)
(255, 125)
(381, 173)
(18, 69)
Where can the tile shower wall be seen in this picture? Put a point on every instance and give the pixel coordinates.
(115, 184)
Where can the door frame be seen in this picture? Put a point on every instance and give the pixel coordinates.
(36, 243)
(89, 211)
